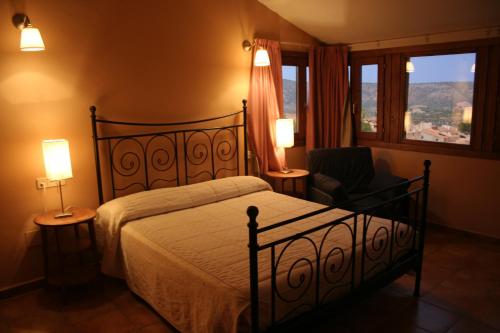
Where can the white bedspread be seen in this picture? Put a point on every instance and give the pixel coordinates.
(114, 214)
(191, 264)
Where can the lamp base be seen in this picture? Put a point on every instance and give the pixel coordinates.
(63, 214)
(285, 171)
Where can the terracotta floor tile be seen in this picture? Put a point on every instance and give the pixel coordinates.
(110, 322)
(136, 310)
(428, 317)
(157, 328)
(470, 326)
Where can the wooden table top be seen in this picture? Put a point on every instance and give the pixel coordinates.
(296, 173)
(79, 215)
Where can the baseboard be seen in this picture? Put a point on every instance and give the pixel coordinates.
(463, 231)
(21, 288)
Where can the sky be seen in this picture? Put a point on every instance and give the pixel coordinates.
(443, 68)
(289, 73)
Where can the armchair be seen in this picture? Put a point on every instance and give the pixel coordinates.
(345, 176)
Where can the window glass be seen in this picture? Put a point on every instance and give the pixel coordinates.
(290, 93)
(440, 92)
(369, 80)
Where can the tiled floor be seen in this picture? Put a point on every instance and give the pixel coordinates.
(461, 293)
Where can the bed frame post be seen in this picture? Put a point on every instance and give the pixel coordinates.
(96, 153)
(253, 246)
(423, 222)
(245, 142)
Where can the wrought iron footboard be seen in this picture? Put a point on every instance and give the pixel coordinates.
(325, 271)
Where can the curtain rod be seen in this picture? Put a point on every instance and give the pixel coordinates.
(489, 31)
(301, 45)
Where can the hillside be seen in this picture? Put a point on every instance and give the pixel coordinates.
(433, 101)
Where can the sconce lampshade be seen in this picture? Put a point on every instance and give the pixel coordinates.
(31, 39)
(284, 133)
(261, 58)
(410, 68)
(57, 159)
(473, 68)
(467, 115)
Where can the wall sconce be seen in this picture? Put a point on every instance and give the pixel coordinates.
(57, 165)
(261, 55)
(473, 68)
(410, 68)
(31, 39)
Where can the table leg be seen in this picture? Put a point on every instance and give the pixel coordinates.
(45, 250)
(60, 259)
(93, 238)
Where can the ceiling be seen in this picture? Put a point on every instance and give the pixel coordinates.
(355, 21)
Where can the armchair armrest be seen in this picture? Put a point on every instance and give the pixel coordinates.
(382, 180)
(330, 186)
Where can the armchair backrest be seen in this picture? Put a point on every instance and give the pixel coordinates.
(351, 166)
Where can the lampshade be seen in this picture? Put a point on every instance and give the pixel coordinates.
(467, 115)
(410, 68)
(407, 121)
(261, 58)
(284, 133)
(31, 40)
(57, 160)
(473, 68)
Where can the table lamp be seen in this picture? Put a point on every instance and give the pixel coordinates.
(57, 165)
(284, 136)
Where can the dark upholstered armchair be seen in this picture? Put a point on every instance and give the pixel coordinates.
(339, 176)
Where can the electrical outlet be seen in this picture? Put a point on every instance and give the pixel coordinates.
(42, 183)
(32, 238)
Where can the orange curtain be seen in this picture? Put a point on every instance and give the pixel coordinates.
(328, 91)
(265, 105)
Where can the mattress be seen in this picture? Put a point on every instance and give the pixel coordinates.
(191, 263)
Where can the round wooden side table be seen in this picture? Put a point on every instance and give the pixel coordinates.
(293, 175)
(76, 258)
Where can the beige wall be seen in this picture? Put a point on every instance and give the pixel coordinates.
(464, 192)
(144, 60)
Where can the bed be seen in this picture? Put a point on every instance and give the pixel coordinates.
(219, 251)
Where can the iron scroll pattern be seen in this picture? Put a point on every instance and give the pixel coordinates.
(323, 269)
(162, 157)
(143, 162)
(209, 153)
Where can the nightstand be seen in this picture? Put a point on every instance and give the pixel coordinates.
(69, 257)
(293, 175)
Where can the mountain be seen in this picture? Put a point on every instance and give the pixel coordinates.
(290, 97)
(433, 101)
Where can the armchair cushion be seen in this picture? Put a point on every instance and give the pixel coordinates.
(383, 180)
(331, 186)
(353, 166)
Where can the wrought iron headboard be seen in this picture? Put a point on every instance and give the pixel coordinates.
(145, 160)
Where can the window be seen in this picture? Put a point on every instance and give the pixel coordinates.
(367, 90)
(439, 98)
(295, 72)
(369, 85)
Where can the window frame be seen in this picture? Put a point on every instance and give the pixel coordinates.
(301, 60)
(356, 79)
(473, 137)
(485, 130)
